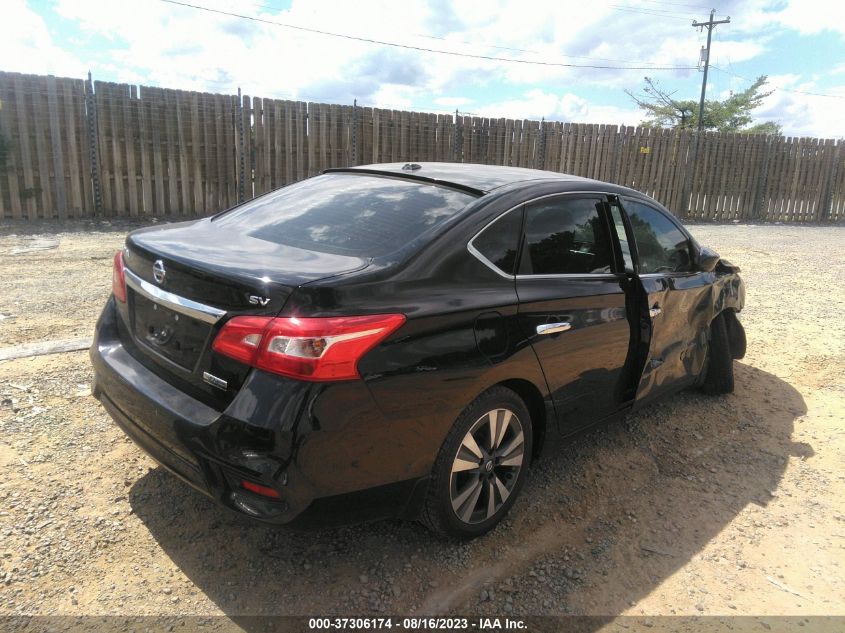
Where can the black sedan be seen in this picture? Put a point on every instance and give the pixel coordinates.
(402, 340)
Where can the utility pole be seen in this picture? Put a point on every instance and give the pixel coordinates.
(709, 25)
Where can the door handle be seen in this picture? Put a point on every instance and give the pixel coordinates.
(553, 328)
(655, 311)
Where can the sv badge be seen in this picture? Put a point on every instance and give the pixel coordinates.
(258, 301)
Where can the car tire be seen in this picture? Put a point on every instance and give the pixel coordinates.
(736, 335)
(719, 372)
(494, 433)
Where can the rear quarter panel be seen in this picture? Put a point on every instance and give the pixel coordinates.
(461, 337)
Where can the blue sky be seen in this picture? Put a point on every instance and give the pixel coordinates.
(800, 45)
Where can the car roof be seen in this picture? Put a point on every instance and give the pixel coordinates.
(471, 177)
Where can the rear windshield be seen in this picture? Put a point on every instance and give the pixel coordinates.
(349, 214)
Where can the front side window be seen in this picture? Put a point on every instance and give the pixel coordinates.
(499, 242)
(661, 246)
(565, 236)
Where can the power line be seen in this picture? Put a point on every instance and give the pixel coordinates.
(649, 12)
(420, 48)
(677, 4)
(800, 92)
(503, 48)
(524, 50)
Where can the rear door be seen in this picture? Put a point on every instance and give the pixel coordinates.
(572, 305)
(677, 299)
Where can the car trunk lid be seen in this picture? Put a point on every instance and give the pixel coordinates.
(184, 280)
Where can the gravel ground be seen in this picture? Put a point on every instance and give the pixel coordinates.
(696, 505)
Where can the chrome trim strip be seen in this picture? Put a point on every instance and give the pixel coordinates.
(475, 252)
(668, 273)
(191, 308)
(592, 276)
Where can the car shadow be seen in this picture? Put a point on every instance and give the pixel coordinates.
(609, 516)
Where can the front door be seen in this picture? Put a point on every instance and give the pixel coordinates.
(572, 306)
(678, 301)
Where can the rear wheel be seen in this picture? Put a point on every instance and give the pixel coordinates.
(481, 466)
(719, 373)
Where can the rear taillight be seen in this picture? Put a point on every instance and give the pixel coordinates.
(240, 338)
(309, 348)
(118, 278)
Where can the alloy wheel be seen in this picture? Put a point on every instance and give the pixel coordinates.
(487, 465)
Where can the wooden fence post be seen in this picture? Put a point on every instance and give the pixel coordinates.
(761, 180)
(60, 203)
(616, 167)
(689, 166)
(827, 189)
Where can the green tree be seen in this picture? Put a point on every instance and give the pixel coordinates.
(731, 115)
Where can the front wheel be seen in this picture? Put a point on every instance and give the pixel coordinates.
(481, 466)
(719, 372)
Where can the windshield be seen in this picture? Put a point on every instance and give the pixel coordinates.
(348, 214)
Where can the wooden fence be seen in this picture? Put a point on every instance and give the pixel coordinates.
(98, 149)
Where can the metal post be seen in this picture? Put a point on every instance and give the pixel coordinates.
(354, 132)
(455, 139)
(241, 157)
(540, 154)
(91, 119)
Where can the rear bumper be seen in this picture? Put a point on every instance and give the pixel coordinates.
(214, 451)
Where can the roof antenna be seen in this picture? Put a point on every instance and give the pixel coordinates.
(411, 167)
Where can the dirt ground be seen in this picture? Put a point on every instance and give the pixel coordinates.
(697, 505)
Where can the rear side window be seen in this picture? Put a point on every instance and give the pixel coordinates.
(347, 214)
(661, 246)
(565, 236)
(499, 242)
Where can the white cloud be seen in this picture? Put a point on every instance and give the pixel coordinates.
(735, 51)
(802, 113)
(160, 44)
(394, 96)
(809, 17)
(536, 104)
(453, 102)
(26, 45)
(191, 48)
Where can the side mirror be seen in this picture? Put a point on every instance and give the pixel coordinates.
(707, 259)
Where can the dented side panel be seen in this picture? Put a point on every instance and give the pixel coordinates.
(678, 333)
